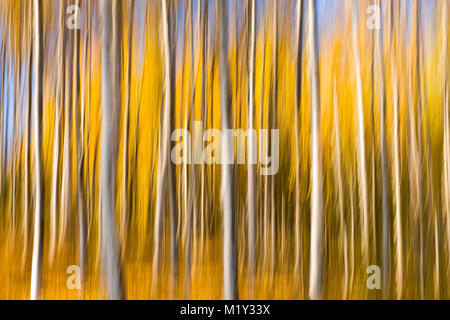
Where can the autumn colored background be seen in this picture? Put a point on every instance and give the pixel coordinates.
(86, 177)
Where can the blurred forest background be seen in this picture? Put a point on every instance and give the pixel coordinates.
(86, 177)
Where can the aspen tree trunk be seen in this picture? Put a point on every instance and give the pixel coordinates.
(315, 272)
(414, 163)
(227, 194)
(109, 136)
(164, 168)
(446, 146)
(126, 129)
(27, 146)
(342, 221)
(183, 185)
(352, 228)
(274, 125)
(298, 267)
(79, 123)
(373, 238)
(36, 265)
(398, 218)
(7, 85)
(90, 171)
(189, 195)
(14, 149)
(66, 183)
(433, 212)
(200, 40)
(193, 223)
(170, 167)
(384, 169)
(251, 156)
(204, 40)
(266, 197)
(363, 195)
(263, 180)
(57, 135)
(416, 22)
(189, 114)
(2, 109)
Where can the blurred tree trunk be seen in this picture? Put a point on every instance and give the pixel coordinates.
(340, 186)
(315, 272)
(79, 125)
(57, 134)
(36, 266)
(204, 41)
(27, 145)
(165, 174)
(66, 183)
(186, 232)
(2, 108)
(170, 168)
(251, 156)
(419, 215)
(273, 209)
(384, 166)
(228, 196)
(298, 267)
(398, 218)
(192, 222)
(373, 206)
(109, 132)
(263, 180)
(15, 141)
(126, 128)
(446, 114)
(363, 195)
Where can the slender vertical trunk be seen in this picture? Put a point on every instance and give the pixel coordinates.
(79, 125)
(189, 195)
(165, 174)
(2, 109)
(263, 181)
(202, 42)
(298, 268)
(363, 195)
(251, 156)
(170, 167)
(274, 126)
(66, 183)
(36, 265)
(89, 171)
(126, 128)
(373, 238)
(14, 149)
(57, 135)
(419, 149)
(109, 142)
(352, 230)
(342, 223)
(398, 218)
(446, 145)
(204, 217)
(27, 146)
(228, 196)
(384, 169)
(315, 272)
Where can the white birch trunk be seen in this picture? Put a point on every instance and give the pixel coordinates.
(109, 141)
(227, 192)
(251, 156)
(363, 195)
(36, 264)
(315, 272)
